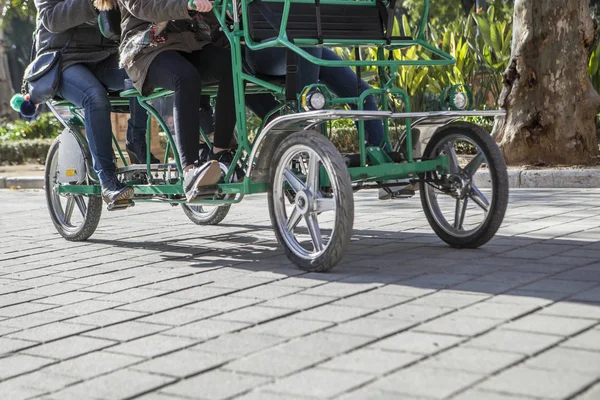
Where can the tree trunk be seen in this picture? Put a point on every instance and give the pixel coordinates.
(548, 96)
(6, 89)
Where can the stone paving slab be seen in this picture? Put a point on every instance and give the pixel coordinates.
(153, 307)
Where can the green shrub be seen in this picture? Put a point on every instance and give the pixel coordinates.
(44, 126)
(18, 152)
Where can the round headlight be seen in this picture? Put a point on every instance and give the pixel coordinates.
(460, 100)
(316, 100)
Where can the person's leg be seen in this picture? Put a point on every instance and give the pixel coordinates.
(214, 64)
(342, 82)
(79, 86)
(171, 70)
(113, 77)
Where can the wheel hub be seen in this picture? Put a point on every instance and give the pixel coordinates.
(303, 203)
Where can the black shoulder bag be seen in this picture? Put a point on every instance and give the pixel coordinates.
(42, 76)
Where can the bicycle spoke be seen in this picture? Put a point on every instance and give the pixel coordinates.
(315, 231)
(293, 180)
(81, 205)
(312, 178)
(474, 165)
(293, 220)
(454, 164)
(69, 209)
(459, 213)
(324, 204)
(479, 198)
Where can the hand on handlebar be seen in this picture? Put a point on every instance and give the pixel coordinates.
(200, 5)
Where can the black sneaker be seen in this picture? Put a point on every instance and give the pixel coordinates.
(205, 175)
(137, 153)
(114, 190)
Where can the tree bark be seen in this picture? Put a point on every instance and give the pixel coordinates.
(548, 96)
(6, 89)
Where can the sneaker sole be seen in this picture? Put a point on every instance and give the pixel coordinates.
(124, 195)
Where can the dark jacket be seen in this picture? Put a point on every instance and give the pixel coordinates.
(150, 27)
(74, 22)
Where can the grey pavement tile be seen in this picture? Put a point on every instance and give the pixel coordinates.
(478, 361)
(592, 295)
(323, 343)
(154, 304)
(589, 340)
(370, 361)
(427, 382)
(559, 285)
(576, 310)
(23, 309)
(49, 332)
(68, 347)
(69, 298)
(179, 316)
(254, 314)
(498, 311)
(152, 346)
(513, 341)
(42, 380)
(241, 282)
(318, 382)
(126, 331)
(592, 393)
(105, 318)
(447, 298)
(370, 393)
(225, 303)
(372, 327)
(19, 393)
(527, 297)
(399, 289)
(339, 289)
(183, 363)
(274, 362)
(478, 394)
(86, 307)
(298, 301)
(13, 345)
(91, 364)
(409, 312)
(458, 325)
(239, 343)
(264, 395)
(203, 386)
(332, 313)
(18, 364)
(206, 329)
(516, 277)
(539, 383)
(584, 274)
(484, 287)
(130, 295)
(417, 342)
(290, 327)
(567, 359)
(267, 292)
(372, 300)
(117, 385)
(549, 324)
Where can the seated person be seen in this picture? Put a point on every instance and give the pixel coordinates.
(89, 70)
(163, 46)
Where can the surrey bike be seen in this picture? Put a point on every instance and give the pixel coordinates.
(309, 183)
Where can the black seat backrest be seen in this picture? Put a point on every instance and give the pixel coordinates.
(356, 22)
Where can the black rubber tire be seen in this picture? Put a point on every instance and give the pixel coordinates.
(94, 206)
(498, 173)
(344, 201)
(213, 219)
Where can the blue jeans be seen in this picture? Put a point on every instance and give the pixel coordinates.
(86, 86)
(342, 82)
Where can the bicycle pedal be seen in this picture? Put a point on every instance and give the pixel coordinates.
(204, 193)
(120, 205)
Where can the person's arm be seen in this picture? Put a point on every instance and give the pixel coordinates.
(157, 10)
(58, 16)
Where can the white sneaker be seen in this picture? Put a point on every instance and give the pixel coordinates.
(205, 175)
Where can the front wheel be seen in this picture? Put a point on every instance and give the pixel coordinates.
(310, 201)
(460, 213)
(75, 217)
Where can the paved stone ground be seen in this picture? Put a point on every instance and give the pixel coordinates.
(156, 308)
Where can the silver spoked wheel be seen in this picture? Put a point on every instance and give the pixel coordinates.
(459, 211)
(75, 217)
(310, 201)
(207, 215)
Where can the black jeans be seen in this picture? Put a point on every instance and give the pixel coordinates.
(185, 73)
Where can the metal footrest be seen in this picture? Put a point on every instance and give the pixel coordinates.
(120, 205)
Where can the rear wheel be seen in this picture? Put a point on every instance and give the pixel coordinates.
(461, 213)
(310, 201)
(75, 217)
